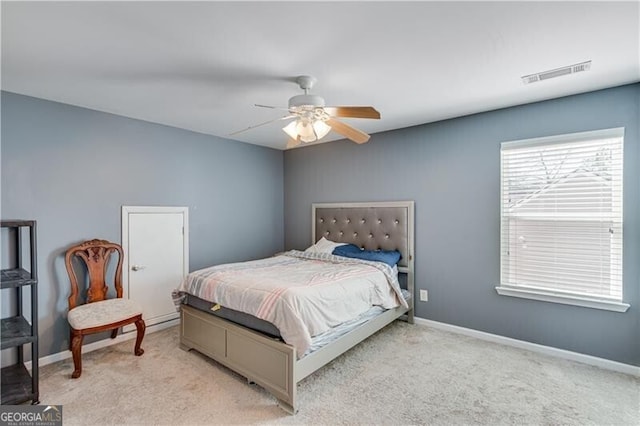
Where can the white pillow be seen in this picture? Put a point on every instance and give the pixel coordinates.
(324, 246)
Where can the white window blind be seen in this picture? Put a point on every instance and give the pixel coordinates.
(561, 222)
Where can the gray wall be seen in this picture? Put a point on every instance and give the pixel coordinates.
(452, 170)
(72, 169)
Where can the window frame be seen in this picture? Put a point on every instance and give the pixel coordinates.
(545, 294)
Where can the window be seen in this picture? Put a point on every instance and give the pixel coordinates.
(561, 219)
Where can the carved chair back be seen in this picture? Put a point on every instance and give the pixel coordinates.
(95, 254)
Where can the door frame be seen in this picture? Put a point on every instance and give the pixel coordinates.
(126, 211)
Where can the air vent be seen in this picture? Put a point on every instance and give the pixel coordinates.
(558, 72)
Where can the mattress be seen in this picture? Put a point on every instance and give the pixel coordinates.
(271, 330)
(234, 316)
(302, 294)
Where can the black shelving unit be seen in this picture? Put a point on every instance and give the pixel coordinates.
(17, 385)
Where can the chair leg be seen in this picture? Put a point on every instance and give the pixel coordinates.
(76, 351)
(114, 333)
(140, 326)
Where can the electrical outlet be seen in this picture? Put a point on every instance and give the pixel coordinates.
(424, 296)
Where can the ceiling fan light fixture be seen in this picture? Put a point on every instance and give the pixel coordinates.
(313, 120)
(321, 128)
(307, 130)
(302, 130)
(290, 129)
(306, 100)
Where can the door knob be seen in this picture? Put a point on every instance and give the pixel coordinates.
(137, 267)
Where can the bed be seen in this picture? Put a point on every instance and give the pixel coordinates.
(255, 348)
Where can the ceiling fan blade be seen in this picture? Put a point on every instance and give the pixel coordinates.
(272, 107)
(347, 131)
(262, 124)
(353, 112)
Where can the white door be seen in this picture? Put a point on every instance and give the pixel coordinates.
(156, 258)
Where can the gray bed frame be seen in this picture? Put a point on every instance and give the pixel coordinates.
(272, 363)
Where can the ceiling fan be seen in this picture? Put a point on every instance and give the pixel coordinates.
(313, 120)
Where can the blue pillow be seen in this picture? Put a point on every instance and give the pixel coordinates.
(390, 257)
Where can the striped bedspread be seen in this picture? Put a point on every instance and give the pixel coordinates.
(302, 294)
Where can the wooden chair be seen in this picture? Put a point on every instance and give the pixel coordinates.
(99, 313)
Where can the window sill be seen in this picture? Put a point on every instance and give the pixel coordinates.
(546, 296)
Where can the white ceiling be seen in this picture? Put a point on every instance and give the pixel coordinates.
(203, 65)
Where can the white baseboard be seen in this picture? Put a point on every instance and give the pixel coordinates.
(50, 359)
(534, 347)
(520, 344)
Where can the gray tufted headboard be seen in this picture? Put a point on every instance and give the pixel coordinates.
(376, 225)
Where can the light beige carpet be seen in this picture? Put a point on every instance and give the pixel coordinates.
(405, 374)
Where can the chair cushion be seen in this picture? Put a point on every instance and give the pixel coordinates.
(101, 313)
